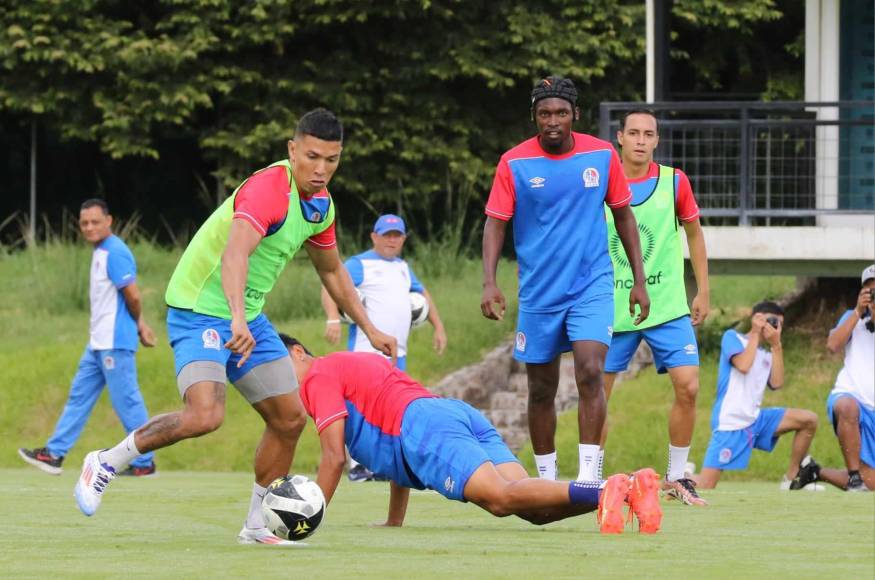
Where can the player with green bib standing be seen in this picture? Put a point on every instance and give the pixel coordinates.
(662, 201)
(215, 321)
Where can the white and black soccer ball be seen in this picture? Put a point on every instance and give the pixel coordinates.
(344, 317)
(418, 309)
(293, 507)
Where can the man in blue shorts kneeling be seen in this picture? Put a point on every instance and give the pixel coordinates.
(739, 424)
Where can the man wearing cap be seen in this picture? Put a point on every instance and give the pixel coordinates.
(851, 404)
(384, 281)
(555, 186)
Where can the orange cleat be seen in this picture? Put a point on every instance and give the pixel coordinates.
(644, 500)
(611, 504)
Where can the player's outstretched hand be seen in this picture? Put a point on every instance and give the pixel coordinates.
(242, 342)
(147, 336)
(639, 296)
(384, 343)
(440, 340)
(492, 303)
(699, 309)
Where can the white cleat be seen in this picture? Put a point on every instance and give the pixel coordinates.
(92, 483)
(264, 536)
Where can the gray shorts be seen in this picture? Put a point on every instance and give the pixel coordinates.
(270, 379)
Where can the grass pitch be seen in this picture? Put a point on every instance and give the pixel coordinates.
(183, 524)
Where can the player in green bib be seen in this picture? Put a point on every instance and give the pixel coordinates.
(215, 321)
(663, 204)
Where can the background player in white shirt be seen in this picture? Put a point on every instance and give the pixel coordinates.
(851, 404)
(738, 423)
(385, 282)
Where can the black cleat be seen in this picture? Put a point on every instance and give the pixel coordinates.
(42, 459)
(131, 471)
(360, 473)
(855, 483)
(809, 472)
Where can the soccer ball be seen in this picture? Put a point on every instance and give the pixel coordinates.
(418, 309)
(293, 507)
(344, 317)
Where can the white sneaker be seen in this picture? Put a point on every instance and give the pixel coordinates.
(92, 483)
(264, 536)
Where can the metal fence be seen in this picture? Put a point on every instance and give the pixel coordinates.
(766, 163)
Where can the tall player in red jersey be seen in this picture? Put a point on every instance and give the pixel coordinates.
(554, 186)
(401, 431)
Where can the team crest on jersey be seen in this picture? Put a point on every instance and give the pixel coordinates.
(108, 363)
(590, 177)
(537, 182)
(521, 342)
(725, 455)
(211, 339)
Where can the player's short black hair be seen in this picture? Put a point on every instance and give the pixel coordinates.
(767, 307)
(641, 111)
(291, 341)
(554, 86)
(320, 123)
(95, 202)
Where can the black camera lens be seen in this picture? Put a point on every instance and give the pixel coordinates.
(773, 320)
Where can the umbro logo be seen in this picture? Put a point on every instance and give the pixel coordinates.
(537, 182)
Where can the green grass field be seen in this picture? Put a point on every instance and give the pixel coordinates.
(184, 524)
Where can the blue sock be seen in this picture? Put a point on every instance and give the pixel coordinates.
(585, 492)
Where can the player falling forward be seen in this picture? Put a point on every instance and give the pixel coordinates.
(215, 321)
(401, 431)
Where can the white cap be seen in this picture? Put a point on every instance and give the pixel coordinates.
(867, 274)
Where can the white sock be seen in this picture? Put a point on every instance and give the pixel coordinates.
(677, 461)
(120, 456)
(589, 459)
(601, 467)
(547, 466)
(255, 519)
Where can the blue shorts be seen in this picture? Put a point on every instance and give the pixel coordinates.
(729, 450)
(542, 336)
(444, 441)
(198, 337)
(673, 344)
(867, 427)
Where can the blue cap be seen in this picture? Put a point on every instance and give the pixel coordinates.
(389, 223)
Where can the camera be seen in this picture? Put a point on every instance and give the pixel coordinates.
(773, 320)
(872, 294)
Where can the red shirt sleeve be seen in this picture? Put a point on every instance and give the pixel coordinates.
(685, 204)
(502, 197)
(619, 193)
(324, 240)
(263, 201)
(323, 398)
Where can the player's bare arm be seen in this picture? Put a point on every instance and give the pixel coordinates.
(134, 302)
(333, 459)
(699, 260)
(773, 338)
(242, 241)
(398, 498)
(627, 229)
(492, 302)
(434, 317)
(332, 317)
(839, 336)
(744, 360)
(339, 285)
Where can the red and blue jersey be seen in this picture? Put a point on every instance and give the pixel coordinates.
(686, 207)
(372, 396)
(557, 204)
